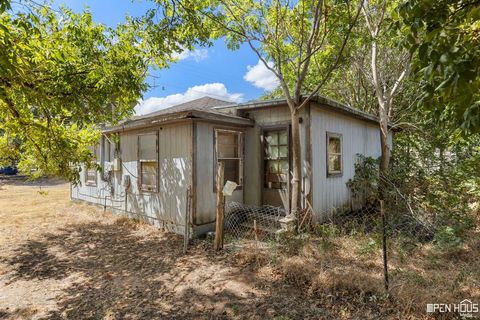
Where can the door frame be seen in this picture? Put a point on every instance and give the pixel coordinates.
(276, 127)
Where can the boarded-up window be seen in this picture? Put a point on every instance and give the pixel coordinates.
(229, 151)
(91, 171)
(276, 164)
(334, 154)
(148, 161)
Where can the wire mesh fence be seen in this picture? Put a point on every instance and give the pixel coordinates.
(259, 223)
(262, 223)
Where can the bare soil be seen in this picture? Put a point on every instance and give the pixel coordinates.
(67, 260)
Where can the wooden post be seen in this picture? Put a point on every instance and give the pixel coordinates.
(186, 235)
(218, 244)
(384, 245)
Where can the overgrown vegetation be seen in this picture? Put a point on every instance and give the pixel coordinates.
(420, 203)
(341, 268)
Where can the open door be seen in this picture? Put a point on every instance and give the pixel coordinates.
(276, 167)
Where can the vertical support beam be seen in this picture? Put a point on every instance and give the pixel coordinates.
(218, 244)
(308, 149)
(186, 235)
(193, 195)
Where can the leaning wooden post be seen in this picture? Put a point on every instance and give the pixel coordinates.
(218, 244)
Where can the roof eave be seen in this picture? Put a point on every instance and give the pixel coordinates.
(176, 117)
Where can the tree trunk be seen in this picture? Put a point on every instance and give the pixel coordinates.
(296, 165)
(385, 155)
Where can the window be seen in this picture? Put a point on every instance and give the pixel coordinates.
(334, 154)
(91, 172)
(229, 151)
(91, 176)
(107, 149)
(276, 164)
(148, 162)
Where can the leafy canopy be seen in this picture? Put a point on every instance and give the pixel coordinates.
(296, 40)
(61, 76)
(445, 36)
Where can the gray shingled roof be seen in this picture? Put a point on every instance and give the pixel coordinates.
(201, 104)
(209, 108)
(202, 108)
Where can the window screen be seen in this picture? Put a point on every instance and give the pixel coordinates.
(334, 153)
(229, 151)
(148, 161)
(276, 163)
(91, 176)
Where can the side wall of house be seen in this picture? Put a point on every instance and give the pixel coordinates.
(358, 137)
(167, 206)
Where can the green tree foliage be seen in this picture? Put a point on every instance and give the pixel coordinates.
(445, 36)
(434, 177)
(435, 169)
(61, 76)
(294, 40)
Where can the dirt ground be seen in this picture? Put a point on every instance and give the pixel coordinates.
(66, 260)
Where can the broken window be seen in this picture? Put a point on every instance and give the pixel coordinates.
(334, 153)
(276, 159)
(229, 151)
(148, 161)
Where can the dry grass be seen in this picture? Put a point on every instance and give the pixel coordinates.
(66, 260)
(348, 271)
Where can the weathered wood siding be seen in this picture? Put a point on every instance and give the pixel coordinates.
(164, 208)
(205, 166)
(358, 137)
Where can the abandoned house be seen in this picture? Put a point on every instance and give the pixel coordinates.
(162, 166)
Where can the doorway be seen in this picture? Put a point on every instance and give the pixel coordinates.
(276, 167)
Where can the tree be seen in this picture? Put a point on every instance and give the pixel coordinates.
(445, 35)
(386, 75)
(62, 76)
(294, 40)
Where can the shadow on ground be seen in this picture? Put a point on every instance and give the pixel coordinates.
(122, 274)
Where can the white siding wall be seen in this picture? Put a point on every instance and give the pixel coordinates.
(94, 194)
(165, 208)
(358, 137)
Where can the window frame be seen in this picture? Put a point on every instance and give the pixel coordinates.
(277, 128)
(140, 163)
(334, 173)
(92, 183)
(106, 149)
(240, 158)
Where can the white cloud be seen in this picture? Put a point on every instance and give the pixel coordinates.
(195, 54)
(214, 90)
(261, 77)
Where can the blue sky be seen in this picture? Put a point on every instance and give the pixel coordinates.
(214, 71)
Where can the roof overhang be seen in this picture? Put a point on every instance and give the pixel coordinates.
(179, 117)
(322, 102)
